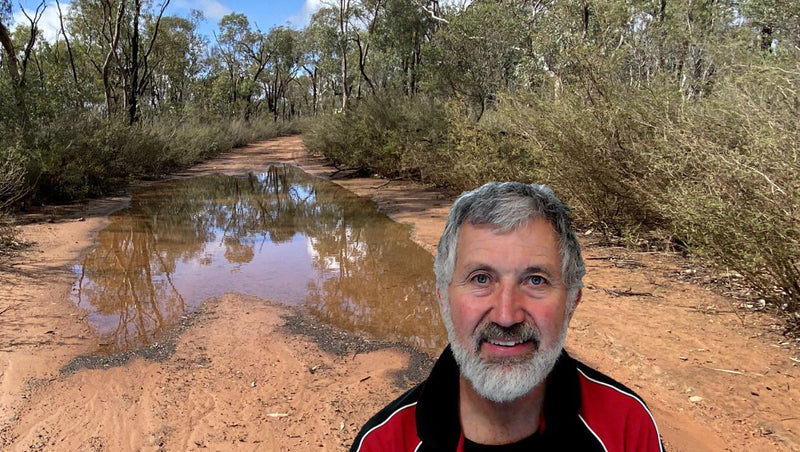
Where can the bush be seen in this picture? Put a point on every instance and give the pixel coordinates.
(12, 190)
(400, 137)
(378, 135)
(77, 157)
(715, 175)
(737, 202)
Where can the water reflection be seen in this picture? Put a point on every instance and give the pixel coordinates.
(282, 235)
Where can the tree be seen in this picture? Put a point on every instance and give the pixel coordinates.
(283, 68)
(343, 19)
(18, 69)
(234, 32)
(777, 22)
(477, 53)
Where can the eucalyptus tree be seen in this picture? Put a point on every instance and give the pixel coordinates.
(282, 67)
(476, 54)
(17, 68)
(777, 22)
(326, 53)
(405, 29)
(244, 54)
(109, 34)
(317, 48)
(343, 15)
(176, 63)
(366, 14)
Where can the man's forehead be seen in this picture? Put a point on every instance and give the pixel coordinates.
(501, 229)
(537, 235)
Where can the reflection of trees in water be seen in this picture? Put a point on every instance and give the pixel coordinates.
(382, 282)
(375, 278)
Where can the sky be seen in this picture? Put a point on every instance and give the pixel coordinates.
(263, 13)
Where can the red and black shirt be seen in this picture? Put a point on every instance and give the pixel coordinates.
(583, 410)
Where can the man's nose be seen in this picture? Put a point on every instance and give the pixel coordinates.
(508, 306)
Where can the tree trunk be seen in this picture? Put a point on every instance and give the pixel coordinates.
(134, 88)
(16, 69)
(12, 63)
(69, 51)
(344, 7)
(112, 50)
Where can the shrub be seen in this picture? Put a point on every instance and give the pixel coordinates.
(76, 157)
(737, 202)
(714, 175)
(12, 189)
(386, 134)
(416, 138)
(717, 175)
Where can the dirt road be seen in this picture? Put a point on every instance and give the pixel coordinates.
(240, 374)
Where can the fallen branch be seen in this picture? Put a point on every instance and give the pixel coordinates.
(735, 372)
(627, 293)
(8, 307)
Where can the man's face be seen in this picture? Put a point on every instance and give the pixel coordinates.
(507, 315)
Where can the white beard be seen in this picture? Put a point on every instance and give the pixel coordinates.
(506, 380)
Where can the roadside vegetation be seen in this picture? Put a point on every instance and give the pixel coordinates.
(657, 120)
(124, 92)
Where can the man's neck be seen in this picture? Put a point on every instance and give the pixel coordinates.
(487, 422)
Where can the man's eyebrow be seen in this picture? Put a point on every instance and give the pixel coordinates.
(481, 266)
(539, 269)
(474, 266)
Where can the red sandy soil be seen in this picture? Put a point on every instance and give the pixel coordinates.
(715, 378)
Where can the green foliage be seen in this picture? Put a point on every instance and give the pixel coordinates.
(403, 137)
(12, 189)
(476, 55)
(385, 134)
(718, 176)
(74, 158)
(737, 200)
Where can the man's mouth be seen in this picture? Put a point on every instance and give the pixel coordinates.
(521, 334)
(506, 343)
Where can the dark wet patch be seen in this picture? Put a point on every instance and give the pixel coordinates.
(158, 351)
(344, 343)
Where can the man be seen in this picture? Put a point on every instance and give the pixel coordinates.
(509, 276)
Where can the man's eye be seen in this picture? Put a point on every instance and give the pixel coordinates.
(481, 278)
(536, 280)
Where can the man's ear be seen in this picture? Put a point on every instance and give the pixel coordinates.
(575, 303)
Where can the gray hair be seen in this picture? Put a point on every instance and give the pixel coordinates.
(507, 206)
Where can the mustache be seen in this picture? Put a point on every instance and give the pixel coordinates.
(519, 332)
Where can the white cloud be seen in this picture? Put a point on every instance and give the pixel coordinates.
(212, 9)
(302, 18)
(49, 23)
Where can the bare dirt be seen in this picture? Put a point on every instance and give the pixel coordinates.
(250, 374)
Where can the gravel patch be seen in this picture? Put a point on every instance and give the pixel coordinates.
(343, 343)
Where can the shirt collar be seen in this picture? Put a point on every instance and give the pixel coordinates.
(437, 416)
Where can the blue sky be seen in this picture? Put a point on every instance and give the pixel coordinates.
(264, 13)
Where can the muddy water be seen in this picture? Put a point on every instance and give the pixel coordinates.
(281, 235)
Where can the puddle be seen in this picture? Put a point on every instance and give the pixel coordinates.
(281, 235)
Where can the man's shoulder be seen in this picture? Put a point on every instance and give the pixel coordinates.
(599, 388)
(615, 414)
(395, 424)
